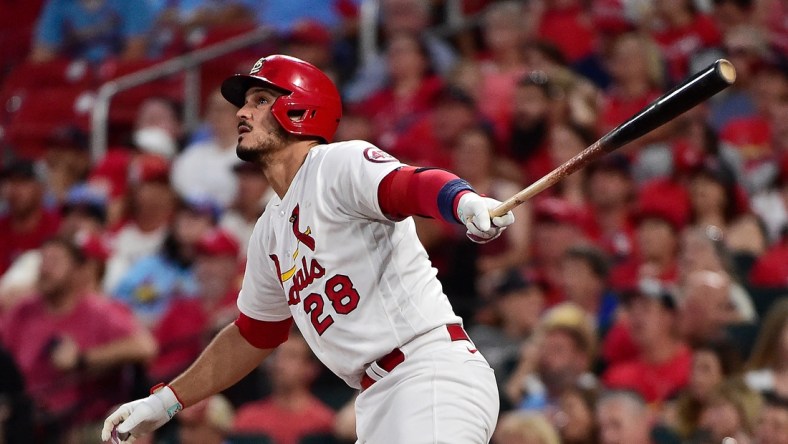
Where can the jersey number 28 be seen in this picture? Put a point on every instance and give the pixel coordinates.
(344, 298)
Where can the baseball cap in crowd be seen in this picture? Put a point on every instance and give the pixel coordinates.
(87, 198)
(218, 243)
(516, 280)
(148, 168)
(203, 205)
(93, 246)
(310, 32)
(571, 317)
(617, 163)
(652, 204)
(68, 137)
(553, 209)
(24, 169)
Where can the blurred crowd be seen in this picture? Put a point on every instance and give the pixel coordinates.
(640, 300)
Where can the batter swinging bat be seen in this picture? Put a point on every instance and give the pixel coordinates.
(718, 76)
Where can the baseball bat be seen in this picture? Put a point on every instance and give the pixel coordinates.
(706, 83)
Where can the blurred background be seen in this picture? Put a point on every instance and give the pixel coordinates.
(640, 300)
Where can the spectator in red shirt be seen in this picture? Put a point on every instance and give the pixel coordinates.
(292, 411)
(71, 343)
(683, 33)
(502, 64)
(662, 366)
(771, 268)
(26, 223)
(568, 25)
(189, 323)
(410, 93)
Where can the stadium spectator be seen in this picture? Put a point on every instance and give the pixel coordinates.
(772, 427)
(26, 223)
(706, 307)
(771, 268)
(568, 25)
(557, 227)
(409, 16)
(662, 365)
(525, 428)
(67, 161)
(623, 417)
(72, 343)
(682, 32)
(728, 14)
(250, 201)
(502, 62)
(153, 281)
(151, 207)
(567, 141)
(713, 363)
(610, 198)
(206, 168)
(411, 91)
(473, 159)
(95, 30)
(731, 411)
(584, 280)
(292, 370)
(84, 216)
(574, 416)
(158, 128)
(188, 323)
(516, 305)
(311, 41)
(767, 368)
(557, 358)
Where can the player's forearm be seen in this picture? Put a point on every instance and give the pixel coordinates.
(427, 192)
(227, 359)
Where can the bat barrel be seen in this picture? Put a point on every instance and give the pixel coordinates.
(698, 88)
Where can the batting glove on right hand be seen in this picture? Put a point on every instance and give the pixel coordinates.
(474, 211)
(142, 416)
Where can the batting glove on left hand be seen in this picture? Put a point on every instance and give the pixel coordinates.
(474, 211)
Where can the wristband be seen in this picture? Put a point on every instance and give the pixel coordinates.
(168, 398)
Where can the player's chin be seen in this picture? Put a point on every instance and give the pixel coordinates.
(246, 153)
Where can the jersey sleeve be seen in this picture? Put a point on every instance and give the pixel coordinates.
(353, 171)
(261, 296)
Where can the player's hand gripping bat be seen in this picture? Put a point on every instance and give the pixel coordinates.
(718, 76)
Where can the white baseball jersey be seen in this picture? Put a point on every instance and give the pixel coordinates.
(356, 283)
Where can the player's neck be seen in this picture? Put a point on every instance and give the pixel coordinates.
(281, 167)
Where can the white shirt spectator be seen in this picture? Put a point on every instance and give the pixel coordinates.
(206, 169)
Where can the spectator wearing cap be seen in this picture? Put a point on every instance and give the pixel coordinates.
(610, 197)
(250, 201)
(662, 365)
(188, 323)
(83, 218)
(411, 91)
(141, 223)
(584, 280)
(557, 227)
(516, 306)
(772, 426)
(311, 41)
(72, 345)
(205, 167)
(657, 226)
(25, 224)
(557, 358)
(67, 161)
(293, 368)
(717, 200)
(153, 281)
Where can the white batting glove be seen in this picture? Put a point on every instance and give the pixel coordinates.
(142, 416)
(474, 211)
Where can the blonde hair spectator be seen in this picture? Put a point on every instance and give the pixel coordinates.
(525, 428)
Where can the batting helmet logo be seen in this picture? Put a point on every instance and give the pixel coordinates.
(309, 105)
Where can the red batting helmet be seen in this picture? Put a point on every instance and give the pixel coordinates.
(310, 105)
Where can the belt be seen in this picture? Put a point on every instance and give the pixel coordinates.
(389, 362)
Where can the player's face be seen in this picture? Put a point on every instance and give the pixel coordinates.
(259, 134)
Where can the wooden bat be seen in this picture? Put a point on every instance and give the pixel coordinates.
(718, 76)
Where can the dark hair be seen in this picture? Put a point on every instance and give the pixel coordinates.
(70, 246)
(595, 258)
(727, 353)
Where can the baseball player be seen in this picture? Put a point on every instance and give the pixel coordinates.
(336, 252)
